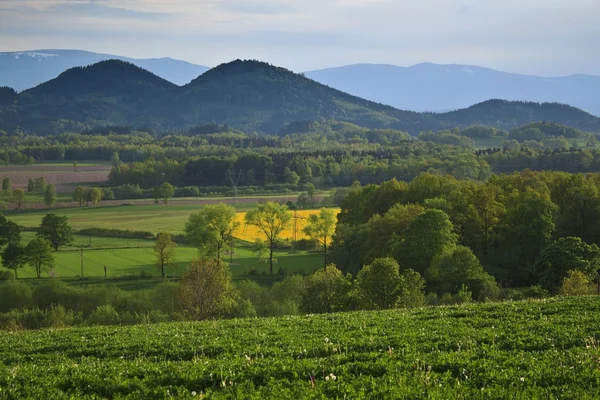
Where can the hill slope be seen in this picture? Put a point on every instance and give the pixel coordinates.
(540, 349)
(247, 95)
(27, 69)
(431, 87)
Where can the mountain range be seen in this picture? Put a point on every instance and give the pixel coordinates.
(249, 95)
(26, 69)
(421, 87)
(433, 87)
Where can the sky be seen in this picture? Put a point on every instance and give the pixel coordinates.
(541, 37)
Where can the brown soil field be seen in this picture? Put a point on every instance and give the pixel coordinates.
(63, 176)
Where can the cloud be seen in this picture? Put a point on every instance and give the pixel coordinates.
(516, 35)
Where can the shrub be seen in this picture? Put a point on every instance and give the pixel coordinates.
(6, 275)
(104, 315)
(55, 292)
(575, 284)
(15, 295)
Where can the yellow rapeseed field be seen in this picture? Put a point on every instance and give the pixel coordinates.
(249, 233)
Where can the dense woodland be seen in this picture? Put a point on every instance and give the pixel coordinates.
(248, 95)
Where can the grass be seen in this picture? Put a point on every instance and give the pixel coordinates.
(135, 257)
(519, 350)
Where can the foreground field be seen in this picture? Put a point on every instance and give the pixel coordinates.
(524, 350)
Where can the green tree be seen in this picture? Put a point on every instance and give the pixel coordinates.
(18, 197)
(50, 195)
(290, 176)
(39, 255)
(9, 231)
(166, 192)
(576, 283)
(320, 227)
(212, 228)
(6, 185)
(458, 266)
(95, 195)
(206, 289)
(164, 247)
(14, 257)
(564, 255)
(271, 219)
(56, 230)
(80, 195)
(30, 185)
(428, 235)
(326, 291)
(411, 289)
(40, 184)
(526, 230)
(378, 284)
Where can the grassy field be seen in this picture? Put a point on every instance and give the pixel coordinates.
(136, 257)
(519, 350)
(153, 218)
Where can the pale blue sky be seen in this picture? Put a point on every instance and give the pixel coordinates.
(544, 37)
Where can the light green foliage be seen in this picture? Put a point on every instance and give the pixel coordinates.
(575, 284)
(95, 195)
(211, 229)
(379, 284)
(207, 290)
(166, 191)
(411, 289)
(271, 219)
(327, 290)
(164, 247)
(320, 227)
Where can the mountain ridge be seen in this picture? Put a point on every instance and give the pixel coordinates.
(245, 94)
(24, 70)
(433, 87)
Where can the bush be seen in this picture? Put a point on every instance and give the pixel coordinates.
(119, 233)
(104, 315)
(55, 292)
(59, 317)
(6, 275)
(575, 284)
(15, 295)
(164, 297)
(533, 292)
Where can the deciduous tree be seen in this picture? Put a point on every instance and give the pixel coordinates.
(39, 255)
(50, 195)
(212, 228)
(164, 247)
(14, 257)
(56, 230)
(321, 227)
(271, 219)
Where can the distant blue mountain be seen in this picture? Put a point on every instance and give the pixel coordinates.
(26, 69)
(432, 87)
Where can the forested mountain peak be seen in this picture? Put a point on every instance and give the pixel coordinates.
(7, 95)
(110, 76)
(517, 113)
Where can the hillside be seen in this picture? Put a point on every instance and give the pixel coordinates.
(246, 95)
(532, 349)
(26, 69)
(432, 87)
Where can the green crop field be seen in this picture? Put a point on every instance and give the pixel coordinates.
(524, 350)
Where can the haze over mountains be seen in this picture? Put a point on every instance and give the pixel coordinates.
(432, 87)
(26, 69)
(249, 95)
(422, 87)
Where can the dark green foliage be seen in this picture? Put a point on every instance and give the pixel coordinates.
(56, 230)
(248, 95)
